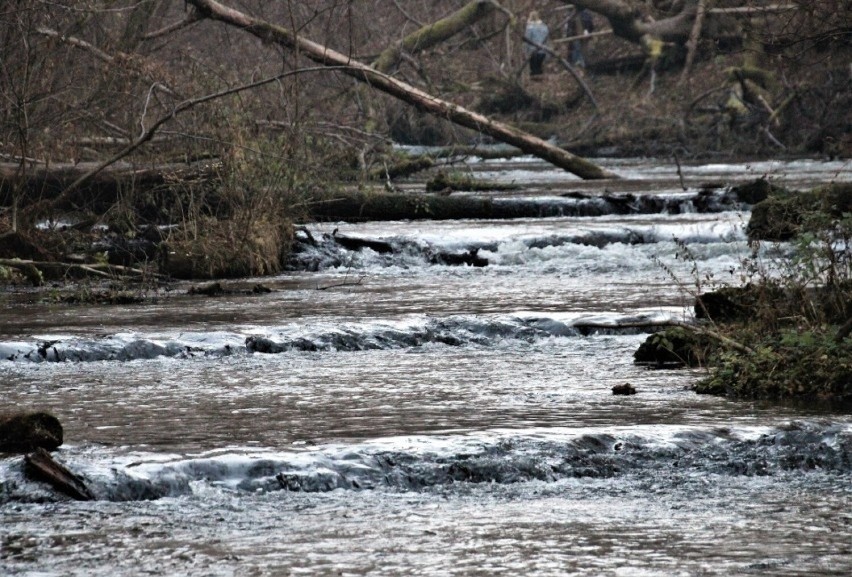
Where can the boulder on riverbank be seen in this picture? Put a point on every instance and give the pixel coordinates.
(785, 214)
(23, 432)
(674, 347)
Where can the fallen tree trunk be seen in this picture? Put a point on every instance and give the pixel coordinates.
(434, 33)
(46, 182)
(37, 271)
(423, 101)
(628, 23)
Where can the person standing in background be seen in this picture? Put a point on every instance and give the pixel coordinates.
(580, 23)
(538, 32)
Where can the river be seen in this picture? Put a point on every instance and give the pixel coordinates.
(383, 413)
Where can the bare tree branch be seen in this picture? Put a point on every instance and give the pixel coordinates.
(174, 27)
(87, 46)
(406, 14)
(432, 34)
(148, 133)
(96, 52)
(567, 67)
(694, 37)
(422, 100)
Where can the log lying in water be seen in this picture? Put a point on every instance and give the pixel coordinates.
(46, 182)
(42, 467)
(24, 432)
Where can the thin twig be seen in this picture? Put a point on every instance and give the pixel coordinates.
(148, 134)
(174, 27)
(96, 52)
(755, 9)
(407, 15)
(87, 46)
(679, 172)
(567, 67)
(342, 284)
(582, 36)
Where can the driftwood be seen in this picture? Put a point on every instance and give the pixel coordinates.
(36, 271)
(42, 466)
(401, 90)
(444, 183)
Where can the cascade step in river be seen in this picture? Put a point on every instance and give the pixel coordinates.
(385, 411)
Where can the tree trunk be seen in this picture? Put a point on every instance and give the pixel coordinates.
(435, 33)
(405, 92)
(47, 182)
(628, 23)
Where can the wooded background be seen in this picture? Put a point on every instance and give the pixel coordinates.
(147, 89)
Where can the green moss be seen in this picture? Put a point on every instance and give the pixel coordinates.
(456, 181)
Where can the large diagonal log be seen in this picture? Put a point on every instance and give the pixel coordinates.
(324, 55)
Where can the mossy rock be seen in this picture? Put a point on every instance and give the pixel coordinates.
(26, 432)
(757, 191)
(776, 219)
(783, 215)
(674, 347)
(771, 304)
(734, 304)
(789, 365)
(454, 181)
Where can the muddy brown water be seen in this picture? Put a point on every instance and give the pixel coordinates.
(427, 419)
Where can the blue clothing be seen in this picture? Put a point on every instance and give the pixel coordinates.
(536, 31)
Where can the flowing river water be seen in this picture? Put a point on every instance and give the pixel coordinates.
(380, 412)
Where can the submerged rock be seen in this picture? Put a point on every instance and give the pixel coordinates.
(25, 432)
(625, 389)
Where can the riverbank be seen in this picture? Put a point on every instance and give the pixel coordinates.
(784, 334)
